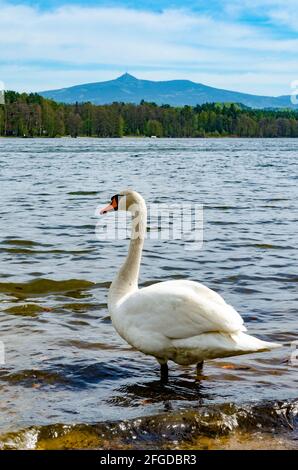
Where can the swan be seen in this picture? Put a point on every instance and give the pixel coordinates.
(178, 320)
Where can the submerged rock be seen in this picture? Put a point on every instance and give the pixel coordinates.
(275, 424)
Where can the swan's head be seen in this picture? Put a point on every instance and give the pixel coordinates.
(126, 200)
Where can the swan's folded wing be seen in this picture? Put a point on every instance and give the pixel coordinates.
(180, 310)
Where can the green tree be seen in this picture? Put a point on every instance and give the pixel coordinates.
(73, 124)
(154, 128)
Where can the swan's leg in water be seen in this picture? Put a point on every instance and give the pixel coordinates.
(164, 371)
(199, 367)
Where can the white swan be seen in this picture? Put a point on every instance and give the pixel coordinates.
(178, 320)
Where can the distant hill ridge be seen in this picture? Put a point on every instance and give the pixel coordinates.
(129, 89)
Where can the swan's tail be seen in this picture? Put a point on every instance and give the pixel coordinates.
(216, 345)
(247, 343)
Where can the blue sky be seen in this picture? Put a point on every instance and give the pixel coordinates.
(246, 45)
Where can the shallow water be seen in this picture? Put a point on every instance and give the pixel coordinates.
(69, 380)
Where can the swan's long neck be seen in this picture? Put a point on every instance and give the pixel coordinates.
(126, 280)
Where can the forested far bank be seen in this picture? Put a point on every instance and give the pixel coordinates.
(31, 115)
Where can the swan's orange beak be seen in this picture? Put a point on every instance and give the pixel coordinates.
(109, 207)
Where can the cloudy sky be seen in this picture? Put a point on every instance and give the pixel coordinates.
(243, 45)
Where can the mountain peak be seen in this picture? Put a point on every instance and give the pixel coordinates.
(126, 77)
(129, 89)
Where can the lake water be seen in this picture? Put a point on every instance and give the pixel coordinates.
(69, 380)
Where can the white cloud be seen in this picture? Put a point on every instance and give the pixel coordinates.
(278, 12)
(73, 44)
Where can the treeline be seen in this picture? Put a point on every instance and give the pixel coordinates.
(30, 115)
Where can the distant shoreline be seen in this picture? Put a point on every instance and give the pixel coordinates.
(31, 115)
(144, 137)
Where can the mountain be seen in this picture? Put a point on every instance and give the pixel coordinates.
(129, 89)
